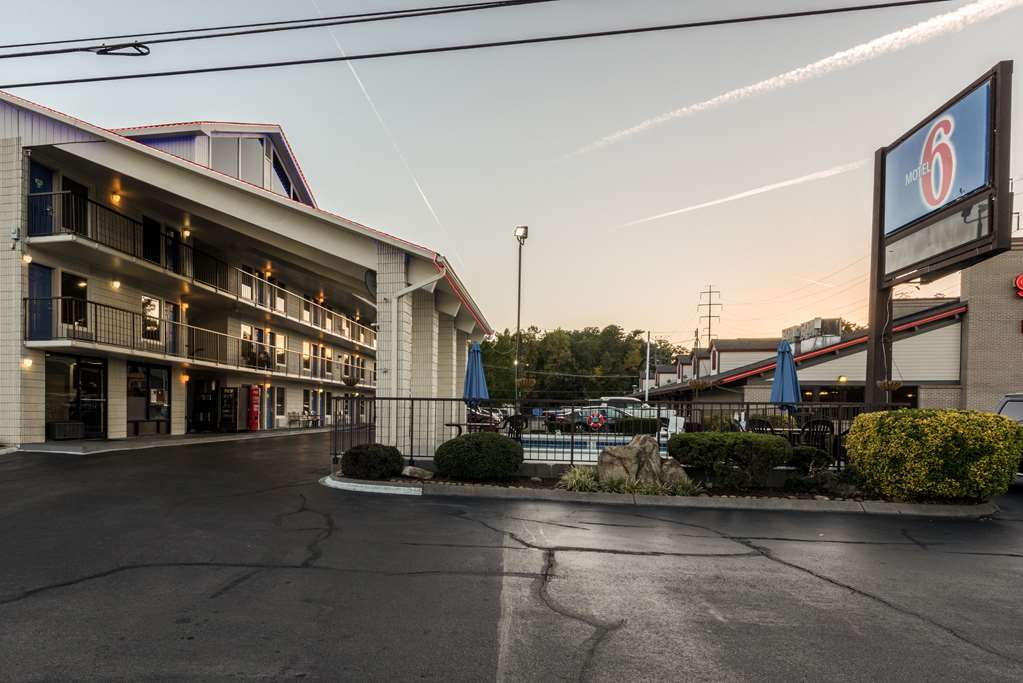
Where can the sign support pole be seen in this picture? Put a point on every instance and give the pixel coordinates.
(879, 345)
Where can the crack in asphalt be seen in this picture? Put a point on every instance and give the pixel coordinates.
(238, 494)
(601, 629)
(323, 533)
(235, 582)
(255, 567)
(540, 521)
(767, 554)
(919, 544)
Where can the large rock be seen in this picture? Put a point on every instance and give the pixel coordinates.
(617, 462)
(672, 472)
(416, 472)
(648, 457)
(639, 460)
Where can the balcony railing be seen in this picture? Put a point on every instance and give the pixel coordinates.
(54, 213)
(69, 318)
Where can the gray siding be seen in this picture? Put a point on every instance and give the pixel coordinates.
(179, 145)
(35, 129)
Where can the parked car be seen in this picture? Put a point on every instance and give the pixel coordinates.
(1012, 407)
(633, 406)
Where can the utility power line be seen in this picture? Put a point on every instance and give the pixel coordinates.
(477, 46)
(274, 27)
(709, 316)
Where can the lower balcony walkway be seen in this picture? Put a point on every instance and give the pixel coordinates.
(97, 446)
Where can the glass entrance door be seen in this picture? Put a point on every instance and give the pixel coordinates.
(92, 398)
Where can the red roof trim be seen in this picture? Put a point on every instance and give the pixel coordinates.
(195, 123)
(846, 344)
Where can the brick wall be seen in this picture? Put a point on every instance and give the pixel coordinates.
(940, 396)
(992, 333)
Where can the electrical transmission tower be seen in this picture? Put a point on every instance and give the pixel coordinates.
(711, 306)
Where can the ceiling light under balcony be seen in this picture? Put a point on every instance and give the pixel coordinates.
(116, 284)
(82, 283)
(186, 233)
(115, 199)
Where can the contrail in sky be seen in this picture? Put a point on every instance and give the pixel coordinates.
(818, 175)
(394, 142)
(886, 44)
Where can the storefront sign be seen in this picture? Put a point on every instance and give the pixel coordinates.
(945, 159)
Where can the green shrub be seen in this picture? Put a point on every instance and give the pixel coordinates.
(481, 456)
(371, 461)
(579, 478)
(920, 454)
(732, 459)
(809, 459)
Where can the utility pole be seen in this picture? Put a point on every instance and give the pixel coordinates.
(521, 233)
(646, 383)
(709, 316)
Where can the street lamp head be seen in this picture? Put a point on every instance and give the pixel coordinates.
(521, 233)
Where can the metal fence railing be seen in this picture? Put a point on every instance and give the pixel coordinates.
(575, 432)
(75, 319)
(53, 213)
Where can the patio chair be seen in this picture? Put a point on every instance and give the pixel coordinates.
(760, 426)
(514, 425)
(817, 433)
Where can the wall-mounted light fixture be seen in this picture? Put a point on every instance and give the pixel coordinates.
(115, 199)
(267, 385)
(185, 378)
(26, 363)
(184, 306)
(842, 379)
(116, 284)
(186, 233)
(82, 283)
(27, 258)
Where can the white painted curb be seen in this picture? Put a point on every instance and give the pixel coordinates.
(392, 489)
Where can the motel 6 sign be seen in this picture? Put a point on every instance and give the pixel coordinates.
(945, 159)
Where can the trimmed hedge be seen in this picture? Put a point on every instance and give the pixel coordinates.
(809, 458)
(732, 459)
(943, 454)
(481, 456)
(371, 461)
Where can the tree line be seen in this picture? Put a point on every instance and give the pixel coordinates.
(586, 363)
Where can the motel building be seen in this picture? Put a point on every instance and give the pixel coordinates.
(964, 352)
(179, 279)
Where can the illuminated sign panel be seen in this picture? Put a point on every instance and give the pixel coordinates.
(944, 160)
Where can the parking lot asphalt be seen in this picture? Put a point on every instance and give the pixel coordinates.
(230, 560)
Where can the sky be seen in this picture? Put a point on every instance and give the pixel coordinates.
(582, 141)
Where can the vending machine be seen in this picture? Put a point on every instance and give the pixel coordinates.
(253, 407)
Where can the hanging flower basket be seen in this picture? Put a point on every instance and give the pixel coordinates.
(889, 385)
(351, 381)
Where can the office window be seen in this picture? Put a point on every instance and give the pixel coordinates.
(150, 318)
(74, 291)
(224, 151)
(250, 160)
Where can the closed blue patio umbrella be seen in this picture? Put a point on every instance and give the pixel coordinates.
(475, 380)
(785, 387)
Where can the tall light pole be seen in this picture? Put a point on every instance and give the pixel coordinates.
(521, 233)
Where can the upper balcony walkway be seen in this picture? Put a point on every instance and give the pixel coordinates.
(58, 216)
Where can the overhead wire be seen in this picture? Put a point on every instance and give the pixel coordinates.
(475, 46)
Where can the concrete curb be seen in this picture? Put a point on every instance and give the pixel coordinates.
(385, 487)
(866, 507)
